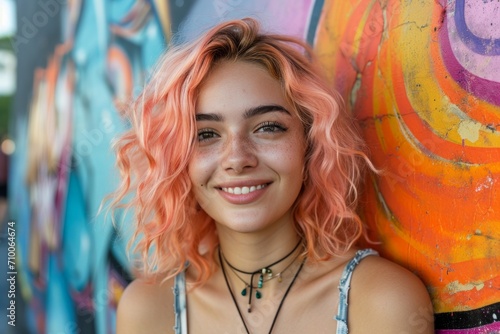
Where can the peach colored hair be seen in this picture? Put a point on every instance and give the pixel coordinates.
(153, 155)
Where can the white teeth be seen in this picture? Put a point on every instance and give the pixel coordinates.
(243, 190)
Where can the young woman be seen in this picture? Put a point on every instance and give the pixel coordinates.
(243, 168)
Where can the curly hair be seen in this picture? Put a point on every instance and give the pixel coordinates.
(153, 155)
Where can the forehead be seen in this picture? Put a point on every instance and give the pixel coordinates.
(239, 85)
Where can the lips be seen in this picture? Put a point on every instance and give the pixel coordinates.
(243, 193)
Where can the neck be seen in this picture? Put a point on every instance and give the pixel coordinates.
(249, 286)
(252, 252)
(266, 269)
(265, 274)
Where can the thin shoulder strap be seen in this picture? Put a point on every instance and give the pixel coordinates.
(179, 290)
(344, 285)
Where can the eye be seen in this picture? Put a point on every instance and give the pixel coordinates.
(271, 127)
(206, 134)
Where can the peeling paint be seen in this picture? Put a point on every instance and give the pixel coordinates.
(456, 287)
(355, 89)
(469, 130)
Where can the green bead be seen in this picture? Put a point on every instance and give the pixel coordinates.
(258, 295)
(244, 292)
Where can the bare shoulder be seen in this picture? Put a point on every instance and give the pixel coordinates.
(387, 298)
(146, 308)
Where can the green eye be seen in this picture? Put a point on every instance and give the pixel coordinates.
(206, 134)
(271, 127)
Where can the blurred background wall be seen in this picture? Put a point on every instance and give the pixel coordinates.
(422, 77)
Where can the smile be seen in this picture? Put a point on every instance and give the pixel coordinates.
(243, 190)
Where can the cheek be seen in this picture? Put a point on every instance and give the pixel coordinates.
(198, 179)
(194, 170)
(200, 168)
(296, 150)
(297, 159)
(288, 158)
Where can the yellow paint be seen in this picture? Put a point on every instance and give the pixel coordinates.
(469, 130)
(163, 12)
(424, 92)
(360, 31)
(457, 287)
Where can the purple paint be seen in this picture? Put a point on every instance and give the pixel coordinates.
(484, 89)
(280, 16)
(290, 18)
(484, 46)
(486, 67)
(483, 19)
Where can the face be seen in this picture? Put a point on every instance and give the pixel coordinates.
(247, 168)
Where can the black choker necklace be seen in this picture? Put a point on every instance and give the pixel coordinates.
(265, 271)
(282, 299)
(279, 276)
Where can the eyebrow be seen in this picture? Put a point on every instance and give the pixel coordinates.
(260, 110)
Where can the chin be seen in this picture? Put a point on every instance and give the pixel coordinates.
(243, 226)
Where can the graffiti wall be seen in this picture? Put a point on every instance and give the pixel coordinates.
(422, 78)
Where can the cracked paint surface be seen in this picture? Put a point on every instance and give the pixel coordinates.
(423, 79)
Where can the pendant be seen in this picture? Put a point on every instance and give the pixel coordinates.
(258, 295)
(244, 292)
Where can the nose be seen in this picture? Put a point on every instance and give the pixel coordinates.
(239, 154)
